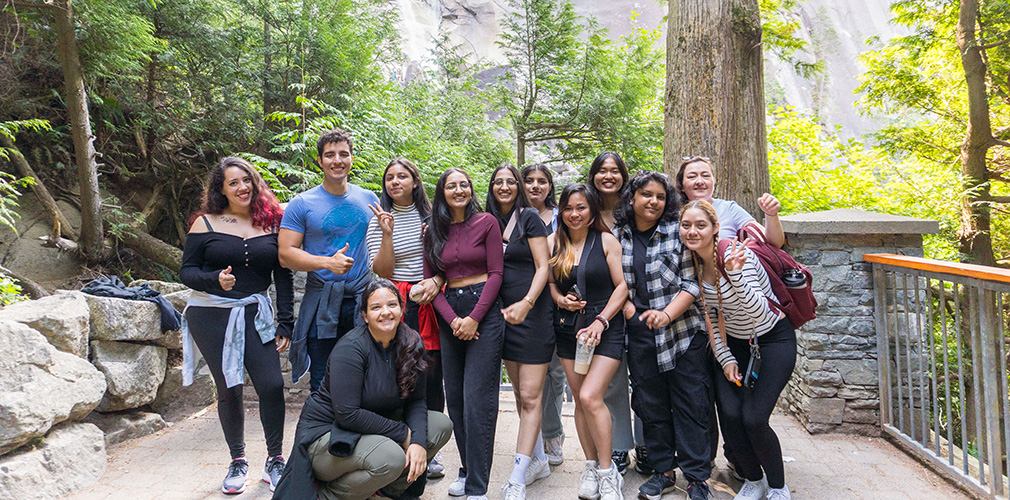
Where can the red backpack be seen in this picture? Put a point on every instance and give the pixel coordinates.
(790, 280)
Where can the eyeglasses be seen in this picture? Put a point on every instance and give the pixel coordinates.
(510, 182)
(462, 185)
(691, 158)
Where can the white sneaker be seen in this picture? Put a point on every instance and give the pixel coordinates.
(753, 490)
(780, 493)
(477, 497)
(513, 491)
(552, 447)
(435, 467)
(611, 482)
(458, 487)
(589, 484)
(536, 470)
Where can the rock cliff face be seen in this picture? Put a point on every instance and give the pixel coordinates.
(837, 31)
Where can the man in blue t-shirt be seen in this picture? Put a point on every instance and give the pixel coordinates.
(323, 232)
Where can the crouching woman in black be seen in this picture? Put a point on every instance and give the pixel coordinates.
(368, 427)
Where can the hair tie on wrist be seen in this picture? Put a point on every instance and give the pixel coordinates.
(603, 319)
(668, 318)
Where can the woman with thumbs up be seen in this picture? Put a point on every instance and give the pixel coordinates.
(229, 260)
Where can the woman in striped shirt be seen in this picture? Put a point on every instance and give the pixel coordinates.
(398, 256)
(735, 297)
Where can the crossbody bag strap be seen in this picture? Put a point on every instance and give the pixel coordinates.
(580, 279)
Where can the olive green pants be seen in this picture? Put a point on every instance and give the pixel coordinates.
(377, 462)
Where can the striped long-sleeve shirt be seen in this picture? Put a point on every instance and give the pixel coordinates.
(745, 305)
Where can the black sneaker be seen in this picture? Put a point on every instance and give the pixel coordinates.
(697, 490)
(621, 460)
(654, 488)
(273, 470)
(642, 464)
(234, 482)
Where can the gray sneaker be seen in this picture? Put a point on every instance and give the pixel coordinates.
(234, 482)
(273, 470)
(552, 447)
(435, 467)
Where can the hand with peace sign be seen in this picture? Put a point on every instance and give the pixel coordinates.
(384, 218)
(737, 256)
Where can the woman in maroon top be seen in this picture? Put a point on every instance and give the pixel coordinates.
(464, 246)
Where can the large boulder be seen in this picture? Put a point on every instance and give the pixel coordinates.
(175, 400)
(40, 386)
(133, 372)
(62, 318)
(122, 319)
(70, 458)
(164, 287)
(130, 424)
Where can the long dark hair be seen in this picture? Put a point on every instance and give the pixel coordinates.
(624, 213)
(563, 257)
(491, 204)
(410, 358)
(549, 202)
(598, 164)
(264, 210)
(417, 194)
(441, 219)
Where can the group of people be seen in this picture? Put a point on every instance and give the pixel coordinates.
(411, 307)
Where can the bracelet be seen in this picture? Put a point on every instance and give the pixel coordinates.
(527, 299)
(668, 318)
(603, 319)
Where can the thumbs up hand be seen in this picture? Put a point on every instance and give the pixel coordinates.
(340, 263)
(226, 279)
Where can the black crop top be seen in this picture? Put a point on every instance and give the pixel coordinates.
(253, 262)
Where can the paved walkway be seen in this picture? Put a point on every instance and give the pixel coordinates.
(188, 460)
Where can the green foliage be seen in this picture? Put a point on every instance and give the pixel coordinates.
(10, 291)
(812, 169)
(9, 184)
(779, 24)
(919, 80)
(570, 91)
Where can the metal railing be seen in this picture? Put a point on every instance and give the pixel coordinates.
(942, 358)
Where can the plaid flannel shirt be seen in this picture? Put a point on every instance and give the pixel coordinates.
(669, 269)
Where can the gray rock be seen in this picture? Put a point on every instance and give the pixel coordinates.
(823, 378)
(70, 458)
(121, 319)
(178, 299)
(861, 416)
(826, 410)
(62, 318)
(40, 386)
(174, 400)
(834, 258)
(164, 287)
(119, 427)
(134, 372)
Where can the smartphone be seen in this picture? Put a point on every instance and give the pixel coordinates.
(753, 367)
(574, 290)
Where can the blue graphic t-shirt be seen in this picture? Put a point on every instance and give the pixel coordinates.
(329, 221)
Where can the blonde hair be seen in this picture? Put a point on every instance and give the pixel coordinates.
(709, 212)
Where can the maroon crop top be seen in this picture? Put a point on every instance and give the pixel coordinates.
(472, 248)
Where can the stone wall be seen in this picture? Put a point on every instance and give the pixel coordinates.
(835, 384)
(79, 373)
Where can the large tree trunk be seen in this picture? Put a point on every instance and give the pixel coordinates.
(91, 240)
(975, 238)
(715, 94)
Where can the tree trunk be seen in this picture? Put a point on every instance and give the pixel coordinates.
(46, 199)
(153, 248)
(91, 240)
(974, 235)
(715, 95)
(520, 150)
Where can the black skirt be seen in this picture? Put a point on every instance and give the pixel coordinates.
(532, 341)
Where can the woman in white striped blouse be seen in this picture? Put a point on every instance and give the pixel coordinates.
(735, 297)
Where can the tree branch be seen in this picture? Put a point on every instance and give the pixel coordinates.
(995, 199)
(48, 203)
(994, 44)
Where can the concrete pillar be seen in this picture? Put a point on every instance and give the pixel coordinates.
(834, 387)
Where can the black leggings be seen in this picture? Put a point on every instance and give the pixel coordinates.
(744, 412)
(262, 364)
(433, 387)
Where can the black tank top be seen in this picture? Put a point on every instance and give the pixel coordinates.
(598, 282)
